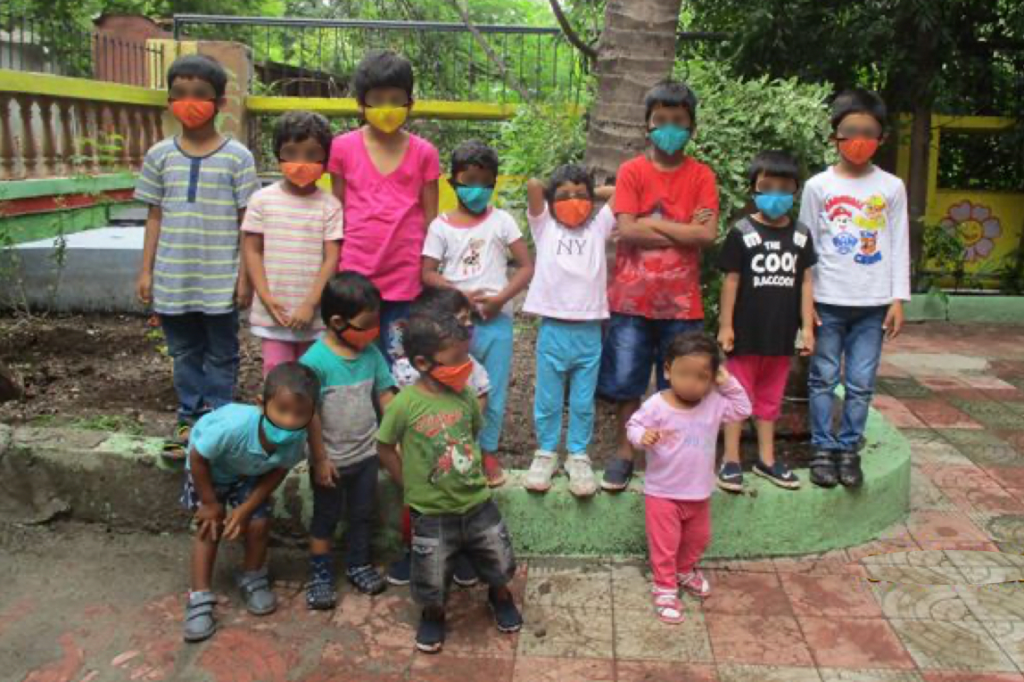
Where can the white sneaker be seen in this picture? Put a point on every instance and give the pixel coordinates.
(543, 467)
(582, 482)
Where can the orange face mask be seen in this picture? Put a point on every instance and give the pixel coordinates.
(360, 338)
(454, 377)
(573, 212)
(302, 174)
(193, 113)
(858, 150)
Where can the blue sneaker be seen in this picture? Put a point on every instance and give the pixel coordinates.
(730, 477)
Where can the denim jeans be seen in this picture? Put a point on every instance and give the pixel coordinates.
(567, 353)
(492, 348)
(392, 315)
(355, 491)
(848, 346)
(633, 346)
(205, 353)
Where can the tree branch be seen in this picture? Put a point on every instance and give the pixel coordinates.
(513, 82)
(563, 21)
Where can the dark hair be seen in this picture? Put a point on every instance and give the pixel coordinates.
(295, 378)
(426, 335)
(440, 301)
(775, 164)
(296, 126)
(570, 172)
(474, 153)
(382, 69)
(670, 94)
(694, 343)
(858, 101)
(346, 295)
(201, 67)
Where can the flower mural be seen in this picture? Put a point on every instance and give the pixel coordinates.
(976, 226)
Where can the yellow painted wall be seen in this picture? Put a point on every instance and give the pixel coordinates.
(447, 201)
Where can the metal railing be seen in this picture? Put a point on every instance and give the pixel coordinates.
(316, 57)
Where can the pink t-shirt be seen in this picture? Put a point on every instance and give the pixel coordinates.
(681, 466)
(384, 221)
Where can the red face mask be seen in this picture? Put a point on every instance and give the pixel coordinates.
(454, 377)
(302, 174)
(573, 212)
(193, 113)
(360, 338)
(858, 150)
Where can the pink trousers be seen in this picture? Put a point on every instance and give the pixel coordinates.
(678, 532)
(276, 352)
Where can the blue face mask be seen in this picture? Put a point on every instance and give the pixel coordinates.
(670, 138)
(279, 437)
(474, 198)
(773, 204)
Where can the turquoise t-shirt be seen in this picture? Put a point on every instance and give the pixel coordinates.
(229, 439)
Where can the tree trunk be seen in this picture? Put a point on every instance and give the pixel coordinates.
(917, 180)
(10, 387)
(636, 51)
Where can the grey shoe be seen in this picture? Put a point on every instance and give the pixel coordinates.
(199, 621)
(255, 588)
(582, 482)
(543, 467)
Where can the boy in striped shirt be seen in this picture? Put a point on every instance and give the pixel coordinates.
(197, 185)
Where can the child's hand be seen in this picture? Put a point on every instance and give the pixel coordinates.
(325, 473)
(243, 294)
(209, 518)
(723, 376)
(488, 306)
(144, 287)
(302, 317)
(703, 216)
(278, 312)
(727, 338)
(650, 438)
(237, 522)
(807, 335)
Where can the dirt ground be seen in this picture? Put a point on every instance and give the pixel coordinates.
(112, 372)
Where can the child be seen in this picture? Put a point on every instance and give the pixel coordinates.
(436, 422)
(667, 204)
(293, 236)
(678, 428)
(387, 180)
(569, 293)
(470, 246)
(766, 299)
(197, 186)
(356, 385)
(857, 214)
(238, 455)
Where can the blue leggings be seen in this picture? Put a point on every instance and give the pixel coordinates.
(567, 353)
(492, 347)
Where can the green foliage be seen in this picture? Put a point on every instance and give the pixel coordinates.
(540, 138)
(944, 254)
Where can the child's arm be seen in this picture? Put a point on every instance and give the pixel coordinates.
(238, 521)
(303, 317)
(144, 284)
(632, 231)
(323, 468)
(535, 197)
(899, 222)
(252, 246)
(605, 192)
(807, 314)
(490, 306)
(243, 288)
(726, 333)
(338, 187)
(210, 514)
(385, 397)
(431, 276)
(701, 231)
(391, 461)
(637, 431)
(429, 198)
(737, 405)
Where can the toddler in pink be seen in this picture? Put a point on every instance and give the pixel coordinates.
(678, 429)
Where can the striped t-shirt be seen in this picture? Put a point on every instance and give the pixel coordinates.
(294, 230)
(196, 267)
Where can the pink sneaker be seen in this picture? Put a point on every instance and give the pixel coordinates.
(695, 583)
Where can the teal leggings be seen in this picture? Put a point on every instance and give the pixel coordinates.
(492, 348)
(567, 352)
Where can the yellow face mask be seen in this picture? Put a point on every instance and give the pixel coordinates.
(386, 119)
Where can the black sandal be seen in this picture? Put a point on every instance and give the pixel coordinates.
(366, 579)
(823, 469)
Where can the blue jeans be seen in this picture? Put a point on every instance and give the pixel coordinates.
(849, 338)
(633, 345)
(392, 315)
(492, 347)
(205, 353)
(567, 352)
(355, 494)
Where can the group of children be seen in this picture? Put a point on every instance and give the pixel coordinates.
(387, 331)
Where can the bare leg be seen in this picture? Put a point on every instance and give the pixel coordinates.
(765, 441)
(204, 555)
(733, 432)
(256, 540)
(319, 546)
(624, 411)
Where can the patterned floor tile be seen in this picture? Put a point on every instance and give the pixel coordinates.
(926, 495)
(896, 412)
(747, 594)
(946, 676)
(766, 673)
(960, 477)
(648, 671)
(470, 628)
(560, 631)
(965, 646)
(834, 562)
(854, 643)
(995, 602)
(869, 675)
(774, 640)
(902, 387)
(641, 636)
(940, 415)
(1010, 636)
(989, 413)
(933, 528)
(926, 602)
(1008, 477)
(530, 669)
(446, 667)
(838, 596)
(577, 587)
(993, 454)
(960, 437)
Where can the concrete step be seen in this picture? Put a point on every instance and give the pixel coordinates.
(128, 214)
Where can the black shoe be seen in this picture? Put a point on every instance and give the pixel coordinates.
(730, 477)
(366, 579)
(850, 474)
(430, 635)
(320, 593)
(778, 474)
(400, 571)
(617, 475)
(506, 615)
(823, 469)
(465, 573)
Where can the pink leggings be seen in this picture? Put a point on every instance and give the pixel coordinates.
(678, 532)
(276, 352)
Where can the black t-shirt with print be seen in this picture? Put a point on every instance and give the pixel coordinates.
(771, 266)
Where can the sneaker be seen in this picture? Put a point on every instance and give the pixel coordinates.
(542, 469)
(695, 583)
(493, 471)
(465, 573)
(199, 621)
(824, 472)
(582, 482)
(778, 473)
(430, 635)
(617, 474)
(400, 571)
(366, 579)
(506, 615)
(850, 474)
(730, 477)
(320, 593)
(255, 587)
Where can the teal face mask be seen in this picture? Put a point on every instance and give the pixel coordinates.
(278, 436)
(773, 204)
(670, 138)
(474, 197)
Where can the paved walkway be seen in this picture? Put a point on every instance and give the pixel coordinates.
(906, 607)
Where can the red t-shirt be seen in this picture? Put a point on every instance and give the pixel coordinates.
(660, 284)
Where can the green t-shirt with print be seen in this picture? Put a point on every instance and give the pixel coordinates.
(441, 462)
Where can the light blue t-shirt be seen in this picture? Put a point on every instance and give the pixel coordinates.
(229, 439)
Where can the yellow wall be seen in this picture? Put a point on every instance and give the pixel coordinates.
(448, 201)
